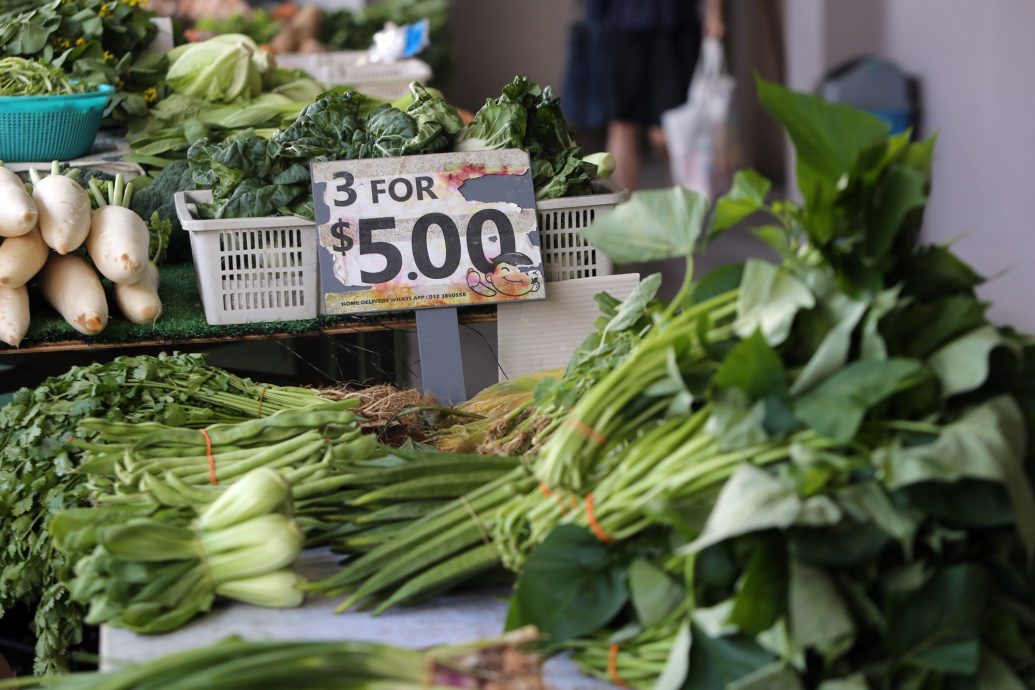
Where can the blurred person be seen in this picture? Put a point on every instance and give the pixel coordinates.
(655, 46)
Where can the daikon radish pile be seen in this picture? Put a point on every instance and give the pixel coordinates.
(139, 301)
(64, 210)
(21, 258)
(14, 314)
(119, 239)
(72, 287)
(18, 214)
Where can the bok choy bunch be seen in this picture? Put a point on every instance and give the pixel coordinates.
(153, 573)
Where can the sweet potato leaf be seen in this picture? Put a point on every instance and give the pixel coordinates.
(654, 224)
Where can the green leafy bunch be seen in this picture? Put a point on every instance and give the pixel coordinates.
(828, 486)
(96, 41)
(528, 116)
(250, 176)
(39, 475)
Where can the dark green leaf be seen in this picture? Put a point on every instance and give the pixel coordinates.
(836, 408)
(778, 675)
(654, 594)
(832, 352)
(715, 662)
(769, 299)
(963, 364)
(937, 628)
(752, 500)
(635, 305)
(845, 544)
(571, 586)
(762, 592)
(819, 618)
(746, 196)
(717, 282)
(900, 192)
(829, 138)
(964, 503)
(652, 225)
(754, 368)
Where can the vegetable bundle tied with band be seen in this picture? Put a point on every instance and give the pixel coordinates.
(151, 573)
(39, 475)
(809, 473)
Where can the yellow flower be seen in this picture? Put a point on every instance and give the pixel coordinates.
(151, 94)
(109, 56)
(105, 10)
(80, 41)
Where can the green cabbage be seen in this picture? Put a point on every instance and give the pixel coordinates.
(223, 69)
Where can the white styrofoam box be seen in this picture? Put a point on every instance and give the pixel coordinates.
(384, 80)
(565, 254)
(252, 269)
(540, 335)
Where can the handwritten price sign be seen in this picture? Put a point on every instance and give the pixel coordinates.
(427, 231)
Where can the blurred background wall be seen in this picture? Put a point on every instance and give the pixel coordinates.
(973, 60)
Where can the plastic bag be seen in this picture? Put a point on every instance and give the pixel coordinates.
(395, 42)
(700, 133)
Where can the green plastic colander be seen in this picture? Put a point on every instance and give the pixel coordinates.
(47, 128)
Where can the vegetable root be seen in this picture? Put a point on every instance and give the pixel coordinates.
(139, 302)
(18, 213)
(64, 210)
(70, 285)
(14, 314)
(119, 239)
(21, 258)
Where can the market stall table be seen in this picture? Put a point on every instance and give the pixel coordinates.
(450, 619)
(183, 323)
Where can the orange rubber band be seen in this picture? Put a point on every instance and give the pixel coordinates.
(612, 667)
(586, 431)
(594, 526)
(211, 458)
(546, 491)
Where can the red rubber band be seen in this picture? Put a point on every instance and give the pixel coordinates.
(612, 667)
(262, 394)
(546, 491)
(211, 458)
(586, 431)
(594, 526)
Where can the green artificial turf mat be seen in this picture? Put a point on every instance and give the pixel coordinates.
(183, 318)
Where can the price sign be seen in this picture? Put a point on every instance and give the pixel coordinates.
(437, 230)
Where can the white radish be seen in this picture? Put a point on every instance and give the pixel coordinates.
(21, 258)
(139, 301)
(74, 290)
(119, 239)
(18, 214)
(64, 209)
(14, 314)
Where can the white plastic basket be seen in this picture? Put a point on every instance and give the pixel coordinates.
(565, 254)
(384, 80)
(251, 269)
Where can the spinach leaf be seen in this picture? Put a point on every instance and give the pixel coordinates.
(571, 586)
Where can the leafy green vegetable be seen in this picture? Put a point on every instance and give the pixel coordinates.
(223, 69)
(38, 466)
(250, 176)
(572, 586)
(654, 224)
(528, 116)
(258, 25)
(21, 77)
(158, 198)
(94, 41)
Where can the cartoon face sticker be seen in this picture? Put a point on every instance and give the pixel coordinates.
(512, 275)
